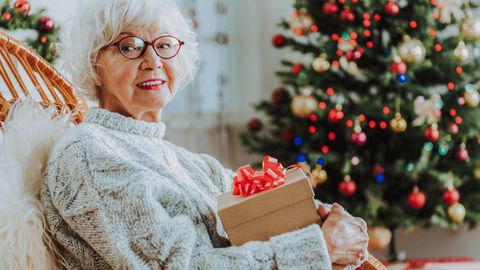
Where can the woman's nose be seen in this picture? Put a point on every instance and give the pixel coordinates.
(151, 59)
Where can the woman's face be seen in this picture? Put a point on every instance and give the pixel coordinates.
(138, 88)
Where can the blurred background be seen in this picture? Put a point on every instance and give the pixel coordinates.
(238, 70)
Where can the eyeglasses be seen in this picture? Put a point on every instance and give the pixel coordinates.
(132, 47)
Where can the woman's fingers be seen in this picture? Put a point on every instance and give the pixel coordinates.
(322, 211)
(362, 223)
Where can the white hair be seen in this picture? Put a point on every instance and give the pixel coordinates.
(98, 22)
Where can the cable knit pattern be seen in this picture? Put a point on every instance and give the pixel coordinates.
(118, 196)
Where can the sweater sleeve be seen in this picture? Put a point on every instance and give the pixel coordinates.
(128, 226)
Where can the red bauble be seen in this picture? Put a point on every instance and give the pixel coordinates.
(378, 170)
(6, 16)
(392, 8)
(254, 125)
(280, 95)
(46, 23)
(432, 134)
(462, 155)
(278, 41)
(451, 196)
(398, 67)
(360, 138)
(335, 115)
(347, 187)
(297, 68)
(417, 199)
(22, 7)
(354, 55)
(347, 15)
(452, 128)
(330, 8)
(43, 39)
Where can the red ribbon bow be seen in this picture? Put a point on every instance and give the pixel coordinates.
(248, 182)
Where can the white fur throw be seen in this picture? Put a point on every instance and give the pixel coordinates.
(28, 135)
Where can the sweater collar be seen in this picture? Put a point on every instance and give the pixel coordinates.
(118, 122)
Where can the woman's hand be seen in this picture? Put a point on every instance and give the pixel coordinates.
(346, 236)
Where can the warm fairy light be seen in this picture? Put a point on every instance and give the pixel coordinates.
(413, 24)
(294, 14)
(366, 23)
(349, 123)
(298, 32)
(312, 129)
(361, 117)
(335, 63)
(322, 105)
(450, 86)
(433, 2)
(335, 36)
(458, 120)
(330, 91)
(353, 35)
(367, 33)
(366, 16)
(313, 117)
(383, 125)
(377, 17)
(340, 40)
(436, 15)
(325, 149)
(372, 124)
(339, 53)
(314, 28)
(332, 136)
(369, 44)
(438, 47)
(353, 43)
(453, 112)
(386, 110)
(433, 32)
(459, 69)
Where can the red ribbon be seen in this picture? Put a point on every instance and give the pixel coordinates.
(248, 182)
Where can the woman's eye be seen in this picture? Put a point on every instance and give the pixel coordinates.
(163, 46)
(128, 48)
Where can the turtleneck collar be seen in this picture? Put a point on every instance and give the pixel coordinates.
(118, 122)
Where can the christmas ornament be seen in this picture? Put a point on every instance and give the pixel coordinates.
(297, 68)
(402, 78)
(457, 212)
(278, 41)
(462, 154)
(321, 64)
(347, 15)
(6, 16)
(476, 173)
(301, 23)
(330, 8)
(379, 174)
(470, 28)
(302, 161)
(452, 128)
(280, 95)
(416, 199)
(379, 237)
(319, 174)
(472, 98)
(304, 104)
(254, 125)
(22, 7)
(431, 133)
(354, 55)
(449, 9)
(335, 115)
(347, 187)
(359, 138)
(398, 67)
(392, 8)
(427, 111)
(398, 124)
(43, 39)
(451, 196)
(46, 23)
(461, 51)
(411, 50)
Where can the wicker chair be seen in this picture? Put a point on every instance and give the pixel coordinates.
(25, 73)
(34, 77)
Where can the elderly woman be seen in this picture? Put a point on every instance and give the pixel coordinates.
(116, 195)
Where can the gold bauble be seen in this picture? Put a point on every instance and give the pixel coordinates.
(303, 105)
(319, 176)
(476, 173)
(472, 98)
(470, 28)
(456, 212)
(411, 50)
(321, 64)
(301, 22)
(379, 237)
(398, 124)
(461, 51)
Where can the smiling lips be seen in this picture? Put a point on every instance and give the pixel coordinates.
(153, 84)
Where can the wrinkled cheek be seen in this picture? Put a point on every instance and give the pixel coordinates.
(174, 73)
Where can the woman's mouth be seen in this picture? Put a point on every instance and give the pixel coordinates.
(155, 84)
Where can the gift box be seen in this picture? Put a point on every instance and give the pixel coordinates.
(286, 207)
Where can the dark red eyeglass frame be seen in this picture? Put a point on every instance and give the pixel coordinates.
(146, 43)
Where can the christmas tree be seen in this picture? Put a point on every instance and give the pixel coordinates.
(384, 110)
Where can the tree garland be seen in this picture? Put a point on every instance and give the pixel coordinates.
(18, 17)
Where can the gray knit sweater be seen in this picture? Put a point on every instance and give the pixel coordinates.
(118, 196)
